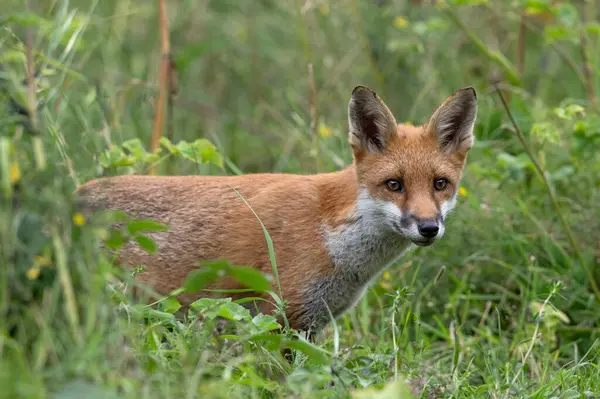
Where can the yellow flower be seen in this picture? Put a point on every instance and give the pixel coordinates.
(41, 261)
(33, 273)
(78, 219)
(324, 9)
(386, 275)
(400, 22)
(15, 173)
(463, 191)
(324, 131)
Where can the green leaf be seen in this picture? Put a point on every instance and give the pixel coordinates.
(5, 166)
(269, 341)
(270, 247)
(467, 2)
(563, 173)
(265, 322)
(135, 147)
(233, 311)
(115, 240)
(153, 344)
(396, 389)
(549, 312)
(170, 305)
(172, 148)
(536, 7)
(593, 28)
(148, 312)
(198, 279)
(200, 151)
(514, 163)
(209, 307)
(572, 110)
(128, 154)
(250, 277)
(554, 33)
(313, 352)
(153, 338)
(24, 19)
(567, 14)
(546, 131)
(189, 53)
(12, 56)
(138, 225)
(221, 307)
(82, 389)
(115, 157)
(146, 243)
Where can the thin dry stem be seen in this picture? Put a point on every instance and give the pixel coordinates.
(38, 145)
(521, 45)
(172, 92)
(496, 57)
(532, 27)
(157, 131)
(31, 95)
(534, 338)
(553, 198)
(587, 68)
(314, 114)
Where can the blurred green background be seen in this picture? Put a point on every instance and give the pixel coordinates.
(459, 319)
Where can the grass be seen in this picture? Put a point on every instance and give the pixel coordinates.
(503, 307)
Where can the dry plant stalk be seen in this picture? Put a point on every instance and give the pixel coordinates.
(552, 196)
(495, 56)
(38, 145)
(31, 95)
(521, 44)
(165, 67)
(588, 71)
(314, 115)
(172, 92)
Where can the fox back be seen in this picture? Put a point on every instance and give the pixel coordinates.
(333, 233)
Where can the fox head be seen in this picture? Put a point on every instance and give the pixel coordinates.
(409, 176)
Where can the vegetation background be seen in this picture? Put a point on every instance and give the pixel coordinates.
(505, 306)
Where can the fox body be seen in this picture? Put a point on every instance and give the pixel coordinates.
(333, 233)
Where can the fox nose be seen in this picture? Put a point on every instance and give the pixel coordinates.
(429, 228)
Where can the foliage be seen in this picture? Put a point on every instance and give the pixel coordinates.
(502, 307)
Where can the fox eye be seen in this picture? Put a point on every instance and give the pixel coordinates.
(440, 184)
(394, 185)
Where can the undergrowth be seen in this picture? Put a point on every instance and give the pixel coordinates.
(505, 306)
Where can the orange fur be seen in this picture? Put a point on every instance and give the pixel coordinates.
(310, 218)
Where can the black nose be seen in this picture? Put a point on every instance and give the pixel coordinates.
(429, 228)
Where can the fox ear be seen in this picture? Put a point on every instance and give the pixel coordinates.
(452, 123)
(371, 122)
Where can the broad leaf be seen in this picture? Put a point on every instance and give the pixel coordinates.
(169, 305)
(313, 352)
(250, 277)
(265, 323)
(200, 151)
(138, 225)
(115, 240)
(82, 389)
(233, 311)
(209, 307)
(198, 279)
(146, 243)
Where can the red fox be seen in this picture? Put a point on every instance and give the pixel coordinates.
(333, 233)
